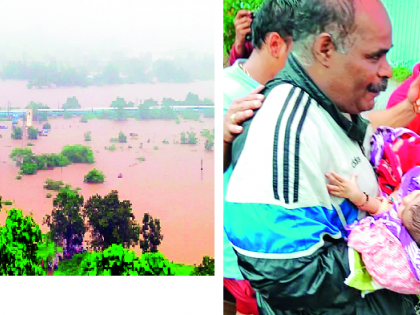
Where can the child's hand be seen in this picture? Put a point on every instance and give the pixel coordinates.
(384, 207)
(343, 188)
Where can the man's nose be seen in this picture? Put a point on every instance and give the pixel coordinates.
(385, 71)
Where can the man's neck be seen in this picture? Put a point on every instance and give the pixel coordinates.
(259, 67)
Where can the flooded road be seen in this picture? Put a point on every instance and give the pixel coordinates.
(168, 184)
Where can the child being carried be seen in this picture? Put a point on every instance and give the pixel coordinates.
(387, 240)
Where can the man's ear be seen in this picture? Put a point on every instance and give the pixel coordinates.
(277, 45)
(323, 49)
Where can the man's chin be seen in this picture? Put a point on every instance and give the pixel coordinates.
(369, 102)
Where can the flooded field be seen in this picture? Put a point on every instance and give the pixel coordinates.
(169, 184)
(99, 96)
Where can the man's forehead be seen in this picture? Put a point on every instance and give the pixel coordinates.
(371, 14)
(373, 26)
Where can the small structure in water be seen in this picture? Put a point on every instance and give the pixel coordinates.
(120, 175)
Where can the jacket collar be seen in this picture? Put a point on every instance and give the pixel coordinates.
(293, 73)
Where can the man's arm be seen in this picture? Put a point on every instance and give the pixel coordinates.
(241, 48)
(401, 114)
(241, 109)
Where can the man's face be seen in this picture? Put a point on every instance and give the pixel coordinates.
(358, 75)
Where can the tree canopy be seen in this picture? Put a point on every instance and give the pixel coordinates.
(71, 103)
(112, 221)
(206, 268)
(151, 234)
(19, 243)
(66, 222)
(94, 176)
(118, 261)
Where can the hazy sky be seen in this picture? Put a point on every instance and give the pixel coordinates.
(61, 28)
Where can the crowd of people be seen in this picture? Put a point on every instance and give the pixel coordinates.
(319, 202)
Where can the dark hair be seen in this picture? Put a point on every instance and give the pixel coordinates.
(336, 17)
(274, 16)
(413, 226)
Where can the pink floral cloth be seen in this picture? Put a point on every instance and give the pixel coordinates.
(384, 255)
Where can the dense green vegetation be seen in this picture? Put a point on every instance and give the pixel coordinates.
(230, 8)
(206, 268)
(78, 154)
(66, 222)
(112, 221)
(190, 114)
(119, 104)
(122, 138)
(23, 246)
(94, 176)
(32, 133)
(188, 138)
(151, 234)
(17, 132)
(71, 103)
(209, 144)
(19, 243)
(53, 185)
(117, 260)
(401, 72)
(30, 163)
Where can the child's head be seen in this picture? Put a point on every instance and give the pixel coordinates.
(409, 213)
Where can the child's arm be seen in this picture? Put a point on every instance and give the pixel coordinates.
(344, 188)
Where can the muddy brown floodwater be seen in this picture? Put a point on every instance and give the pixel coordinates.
(99, 96)
(168, 184)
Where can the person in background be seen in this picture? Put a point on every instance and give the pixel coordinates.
(241, 48)
(272, 38)
(401, 93)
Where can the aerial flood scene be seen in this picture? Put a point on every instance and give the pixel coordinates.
(106, 152)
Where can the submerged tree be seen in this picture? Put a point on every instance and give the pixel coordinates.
(151, 234)
(119, 104)
(94, 176)
(32, 133)
(88, 136)
(71, 103)
(122, 138)
(17, 133)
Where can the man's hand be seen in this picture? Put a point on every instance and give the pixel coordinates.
(242, 27)
(241, 109)
(413, 94)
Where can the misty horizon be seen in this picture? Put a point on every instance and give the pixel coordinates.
(67, 31)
